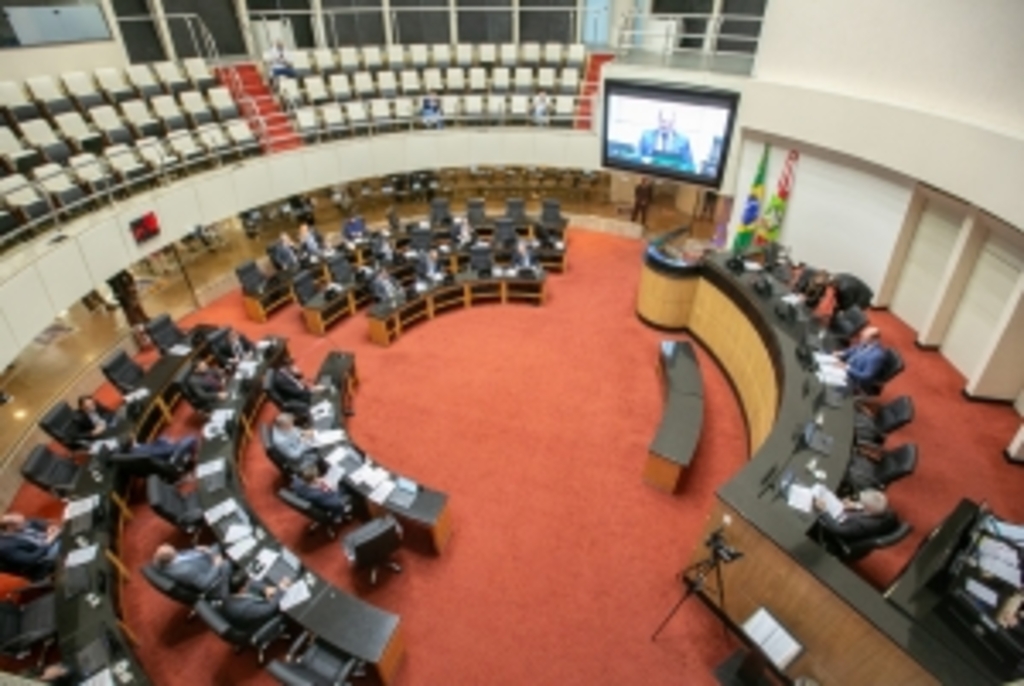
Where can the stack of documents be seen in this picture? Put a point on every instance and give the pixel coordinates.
(999, 559)
(137, 394)
(802, 498)
(830, 371)
(220, 511)
(382, 491)
(775, 642)
(76, 508)
(246, 369)
(328, 437)
(212, 467)
(180, 350)
(296, 594)
(322, 410)
(81, 556)
(241, 548)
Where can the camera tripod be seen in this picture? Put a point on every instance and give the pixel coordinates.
(700, 571)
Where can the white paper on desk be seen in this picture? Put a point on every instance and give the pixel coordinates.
(982, 592)
(222, 415)
(792, 299)
(104, 677)
(338, 454)
(335, 473)
(752, 266)
(1000, 569)
(833, 505)
(81, 556)
(328, 437)
(263, 344)
(382, 491)
(212, 430)
(322, 410)
(104, 444)
(265, 559)
(800, 497)
(137, 394)
(295, 594)
(376, 477)
(211, 467)
(362, 474)
(774, 641)
(181, 349)
(831, 377)
(79, 507)
(220, 510)
(246, 369)
(991, 547)
(237, 532)
(241, 548)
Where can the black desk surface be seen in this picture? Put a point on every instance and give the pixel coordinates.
(681, 420)
(754, 493)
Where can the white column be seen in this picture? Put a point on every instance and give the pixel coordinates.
(115, 28)
(156, 8)
(898, 257)
(242, 10)
(950, 286)
(515, 24)
(711, 30)
(319, 29)
(1000, 375)
(453, 24)
(389, 36)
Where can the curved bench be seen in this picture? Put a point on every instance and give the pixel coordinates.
(679, 430)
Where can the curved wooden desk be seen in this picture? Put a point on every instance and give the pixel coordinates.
(679, 430)
(850, 633)
(387, 324)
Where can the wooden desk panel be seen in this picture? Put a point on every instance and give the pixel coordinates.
(665, 301)
(840, 645)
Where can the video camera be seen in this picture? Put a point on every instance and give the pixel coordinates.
(721, 550)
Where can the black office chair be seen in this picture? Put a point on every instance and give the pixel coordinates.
(373, 544)
(200, 404)
(871, 429)
(851, 551)
(180, 593)
(440, 212)
(341, 271)
(847, 324)
(515, 210)
(304, 287)
(144, 466)
(504, 234)
(890, 467)
(481, 260)
(165, 334)
(55, 474)
(181, 510)
(38, 574)
(892, 366)
(123, 372)
(319, 517)
(551, 215)
(59, 424)
(252, 278)
(258, 639)
(319, 664)
(476, 213)
(27, 626)
(294, 407)
(420, 239)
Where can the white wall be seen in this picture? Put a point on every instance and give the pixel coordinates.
(955, 58)
(17, 64)
(842, 215)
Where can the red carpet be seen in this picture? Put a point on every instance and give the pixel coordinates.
(257, 104)
(536, 422)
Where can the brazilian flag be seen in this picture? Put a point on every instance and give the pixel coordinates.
(752, 211)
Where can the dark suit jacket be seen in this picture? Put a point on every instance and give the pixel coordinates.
(225, 351)
(332, 501)
(290, 388)
(851, 291)
(857, 526)
(284, 257)
(677, 145)
(194, 571)
(385, 293)
(206, 386)
(84, 425)
(248, 611)
(22, 554)
(426, 267)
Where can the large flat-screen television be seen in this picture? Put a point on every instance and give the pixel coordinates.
(679, 132)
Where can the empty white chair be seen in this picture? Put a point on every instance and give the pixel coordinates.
(316, 90)
(531, 54)
(348, 59)
(519, 107)
(380, 110)
(15, 155)
(54, 180)
(410, 81)
(355, 111)
(455, 78)
(211, 136)
(418, 55)
(372, 58)
(432, 80)
(496, 107)
(451, 107)
(113, 83)
(241, 136)
(473, 107)
(45, 91)
(170, 75)
(108, 122)
(477, 79)
(300, 62)
(141, 76)
(40, 135)
(288, 89)
(154, 154)
(341, 89)
(509, 54)
(222, 103)
(464, 55)
(565, 109)
(88, 169)
(396, 57)
(138, 116)
(125, 163)
(14, 100)
(386, 84)
(306, 124)
(323, 58)
(193, 104)
(553, 54)
(441, 54)
(82, 89)
(23, 198)
(499, 80)
(570, 81)
(488, 54)
(404, 110)
(168, 112)
(199, 74)
(524, 79)
(576, 56)
(545, 79)
(363, 85)
(184, 146)
(75, 129)
(333, 119)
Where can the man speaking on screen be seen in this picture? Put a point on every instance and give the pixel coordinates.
(665, 145)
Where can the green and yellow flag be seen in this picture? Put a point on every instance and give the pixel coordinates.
(775, 212)
(752, 211)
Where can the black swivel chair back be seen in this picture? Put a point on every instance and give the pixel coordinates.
(858, 549)
(183, 511)
(892, 366)
(515, 209)
(440, 212)
(481, 259)
(318, 516)
(895, 414)
(848, 323)
(51, 472)
(420, 239)
(199, 404)
(171, 588)
(259, 639)
(295, 407)
(304, 286)
(164, 333)
(251, 277)
(319, 665)
(123, 372)
(143, 466)
(341, 271)
(504, 234)
(896, 464)
(25, 626)
(372, 545)
(475, 212)
(551, 211)
(59, 424)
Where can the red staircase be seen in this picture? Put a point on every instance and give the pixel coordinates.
(591, 84)
(256, 102)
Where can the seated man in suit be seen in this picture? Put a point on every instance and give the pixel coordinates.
(428, 270)
(865, 516)
(386, 290)
(93, 420)
(667, 146)
(253, 605)
(813, 288)
(462, 233)
(523, 258)
(28, 547)
(207, 383)
(284, 254)
(295, 445)
(308, 485)
(310, 244)
(850, 291)
(383, 251)
(180, 452)
(201, 569)
(863, 361)
(288, 382)
(354, 231)
(232, 348)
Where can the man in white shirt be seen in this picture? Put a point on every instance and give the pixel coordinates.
(277, 59)
(541, 109)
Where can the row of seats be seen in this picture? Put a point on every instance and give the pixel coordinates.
(420, 56)
(316, 89)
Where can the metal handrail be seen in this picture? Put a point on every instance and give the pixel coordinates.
(671, 37)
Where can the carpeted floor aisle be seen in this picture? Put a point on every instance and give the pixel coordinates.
(536, 422)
